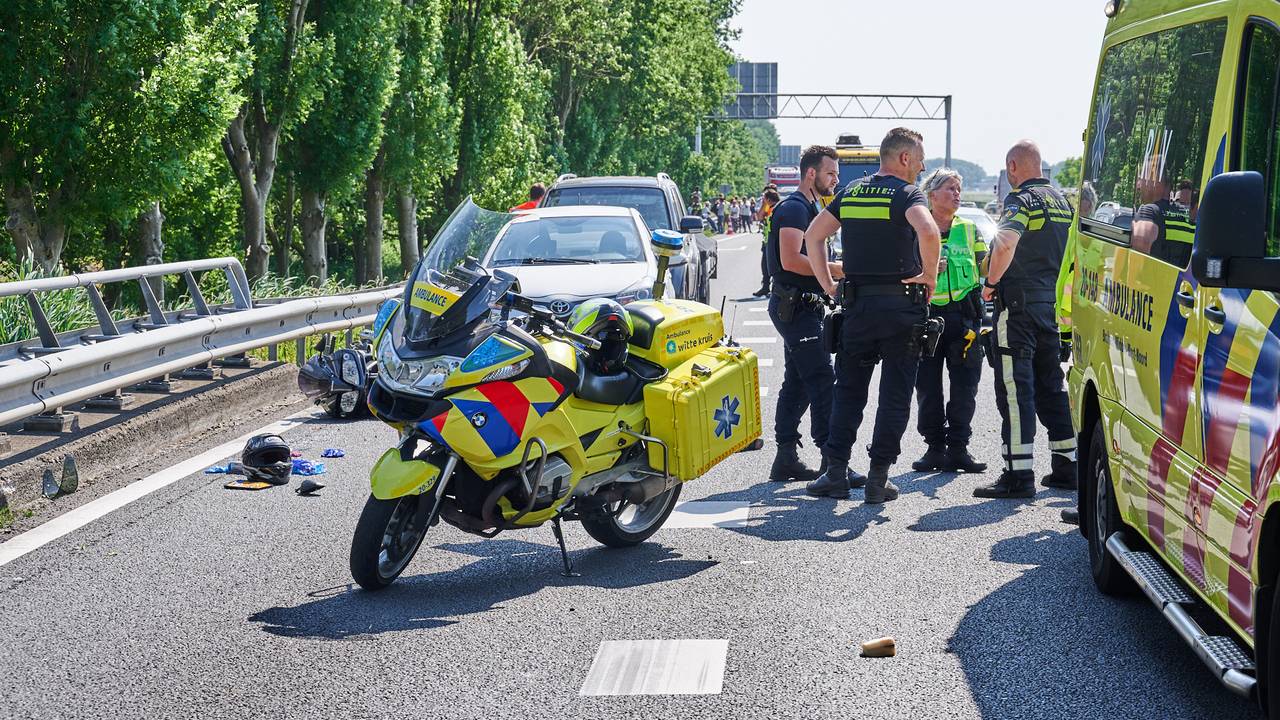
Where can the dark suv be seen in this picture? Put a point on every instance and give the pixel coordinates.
(658, 201)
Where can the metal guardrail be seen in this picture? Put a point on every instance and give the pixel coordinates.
(73, 367)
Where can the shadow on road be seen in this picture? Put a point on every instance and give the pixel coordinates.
(506, 570)
(1083, 654)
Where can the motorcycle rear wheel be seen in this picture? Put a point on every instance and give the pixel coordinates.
(634, 524)
(387, 537)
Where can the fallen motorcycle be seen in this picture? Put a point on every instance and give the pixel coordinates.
(338, 380)
(509, 420)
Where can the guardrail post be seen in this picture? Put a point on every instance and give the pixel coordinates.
(52, 421)
(234, 361)
(106, 323)
(48, 338)
(200, 372)
(273, 352)
(153, 306)
(301, 351)
(111, 401)
(162, 384)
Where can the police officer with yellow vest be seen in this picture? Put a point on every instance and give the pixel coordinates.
(945, 423)
(891, 249)
(1023, 272)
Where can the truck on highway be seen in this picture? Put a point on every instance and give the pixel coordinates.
(785, 177)
(1175, 386)
(856, 160)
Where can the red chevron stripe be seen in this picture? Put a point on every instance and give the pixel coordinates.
(509, 402)
(1228, 408)
(1157, 475)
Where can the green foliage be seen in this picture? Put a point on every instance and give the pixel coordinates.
(972, 172)
(111, 105)
(1067, 172)
(340, 135)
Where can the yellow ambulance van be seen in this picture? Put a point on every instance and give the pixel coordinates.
(1175, 386)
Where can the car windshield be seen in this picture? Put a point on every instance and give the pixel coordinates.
(986, 226)
(579, 240)
(650, 202)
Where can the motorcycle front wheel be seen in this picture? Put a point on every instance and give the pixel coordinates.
(387, 537)
(631, 524)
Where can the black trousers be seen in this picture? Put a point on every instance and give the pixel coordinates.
(807, 376)
(946, 422)
(764, 266)
(1029, 384)
(876, 329)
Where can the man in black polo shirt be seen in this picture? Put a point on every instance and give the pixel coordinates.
(891, 249)
(807, 378)
(1163, 228)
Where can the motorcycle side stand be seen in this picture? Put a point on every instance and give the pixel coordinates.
(564, 553)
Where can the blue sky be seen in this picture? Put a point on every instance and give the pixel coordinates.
(1020, 68)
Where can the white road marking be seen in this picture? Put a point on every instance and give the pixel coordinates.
(765, 362)
(764, 392)
(709, 513)
(758, 323)
(737, 249)
(758, 309)
(756, 340)
(75, 519)
(657, 667)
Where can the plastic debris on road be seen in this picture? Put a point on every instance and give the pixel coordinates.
(247, 484)
(333, 453)
(218, 470)
(880, 647)
(306, 467)
(295, 454)
(309, 488)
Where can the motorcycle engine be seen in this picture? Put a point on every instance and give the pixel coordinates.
(555, 482)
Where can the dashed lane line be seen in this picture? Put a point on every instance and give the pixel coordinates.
(764, 392)
(757, 323)
(657, 667)
(758, 309)
(765, 362)
(757, 340)
(75, 519)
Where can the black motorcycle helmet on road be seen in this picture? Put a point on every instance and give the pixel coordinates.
(267, 458)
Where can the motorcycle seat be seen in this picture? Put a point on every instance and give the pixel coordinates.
(619, 388)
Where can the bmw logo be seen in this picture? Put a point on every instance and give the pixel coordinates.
(479, 419)
(561, 307)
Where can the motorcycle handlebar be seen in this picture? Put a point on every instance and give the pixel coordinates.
(547, 319)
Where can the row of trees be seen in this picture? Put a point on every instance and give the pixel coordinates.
(295, 132)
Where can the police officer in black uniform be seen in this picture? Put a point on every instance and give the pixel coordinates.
(1163, 228)
(1024, 264)
(891, 250)
(798, 315)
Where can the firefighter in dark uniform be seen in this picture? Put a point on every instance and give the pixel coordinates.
(797, 314)
(944, 422)
(891, 250)
(1023, 271)
(1163, 228)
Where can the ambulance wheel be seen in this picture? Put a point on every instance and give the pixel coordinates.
(1101, 515)
(387, 537)
(1270, 667)
(634, 523)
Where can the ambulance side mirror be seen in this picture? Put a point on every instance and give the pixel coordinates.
(1231, 235)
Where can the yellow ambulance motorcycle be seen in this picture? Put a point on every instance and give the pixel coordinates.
(504, 424)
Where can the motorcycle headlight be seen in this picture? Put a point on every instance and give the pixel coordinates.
(423, 377)
(640, 291)
(350, 369)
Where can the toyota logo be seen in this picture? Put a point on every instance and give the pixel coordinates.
(561, 307)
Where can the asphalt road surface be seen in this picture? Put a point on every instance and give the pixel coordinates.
(195, 601)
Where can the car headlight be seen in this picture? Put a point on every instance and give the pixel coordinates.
(423, 377)
(640, 291)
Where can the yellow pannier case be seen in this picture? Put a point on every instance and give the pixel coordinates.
(706, 409)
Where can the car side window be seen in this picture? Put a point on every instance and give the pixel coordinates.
(1149, 129)
(1258, 134)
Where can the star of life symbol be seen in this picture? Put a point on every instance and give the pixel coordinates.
(727, 417)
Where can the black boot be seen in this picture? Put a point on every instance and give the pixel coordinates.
(764, 290)
(1063, 476)
(959, 460)
(833, 483)
(788, 467)
(1010, 484)
(879, 489)
(935, 458)
(856, 479)
(1071, 516)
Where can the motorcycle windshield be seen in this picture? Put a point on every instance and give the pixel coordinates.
(449, 290)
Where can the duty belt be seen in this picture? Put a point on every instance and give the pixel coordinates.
(1032, 294)
(914, 291)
